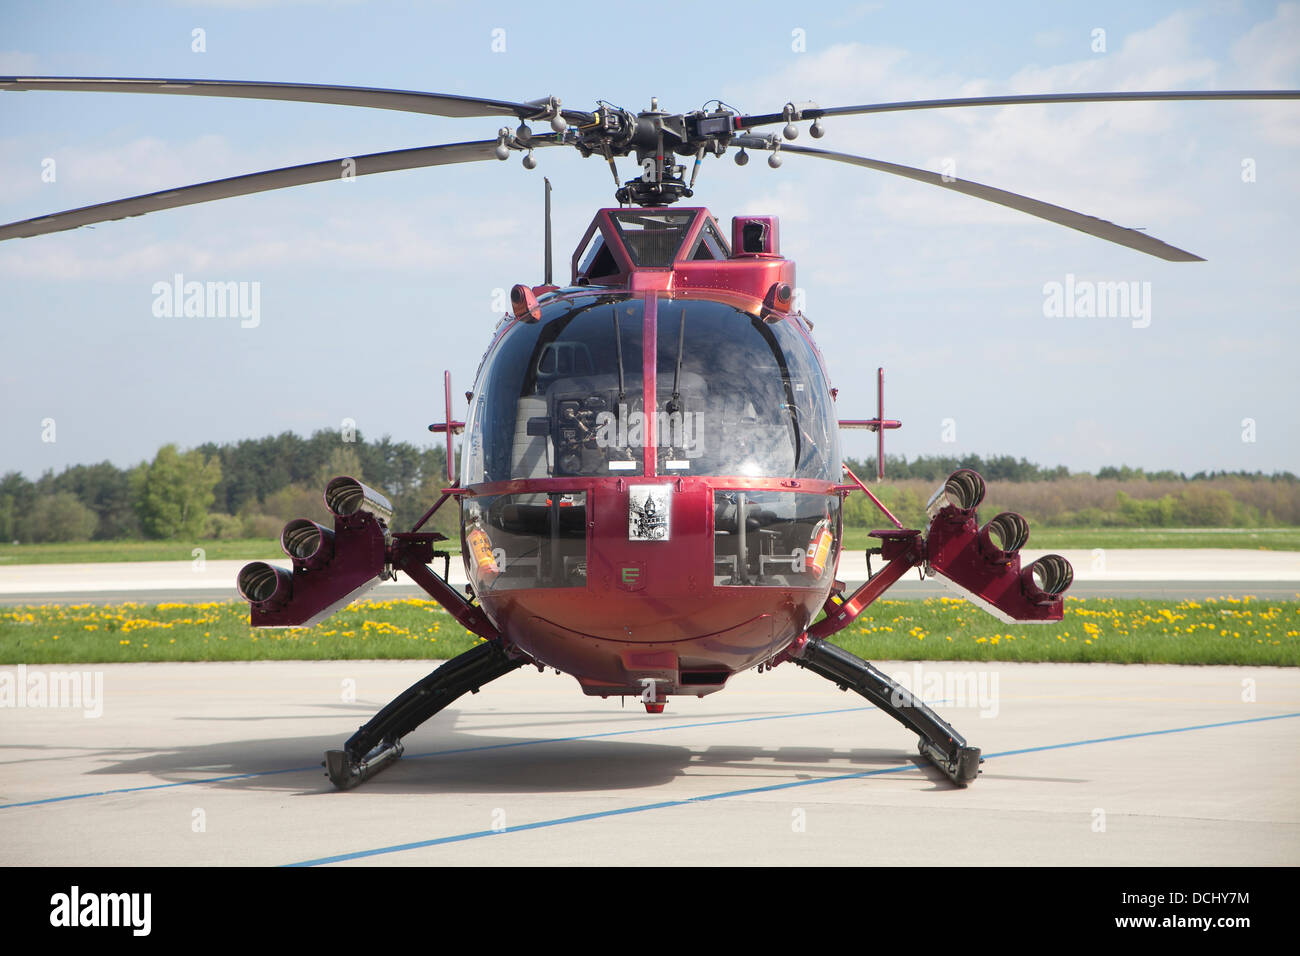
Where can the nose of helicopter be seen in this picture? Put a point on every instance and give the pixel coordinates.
(662, 600)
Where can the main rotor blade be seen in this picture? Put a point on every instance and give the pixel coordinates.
(764, 119)
(260, 182)
(436, 104)
(1058, 214)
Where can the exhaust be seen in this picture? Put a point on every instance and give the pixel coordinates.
(1003, 536)
(963, 490)
(308, 542)
(983, 563)
(1044, 581)
(331, 567)
(264, 584)
(345, 496)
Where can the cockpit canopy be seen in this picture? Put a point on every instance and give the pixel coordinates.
(732, 395)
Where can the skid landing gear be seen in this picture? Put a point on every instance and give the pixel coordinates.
(939, 743)
(378, 743)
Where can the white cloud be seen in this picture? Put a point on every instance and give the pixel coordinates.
(390, 240)
(1268, 55)
(98, 173)
(1136, 164)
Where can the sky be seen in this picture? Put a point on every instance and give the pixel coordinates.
(369, 289)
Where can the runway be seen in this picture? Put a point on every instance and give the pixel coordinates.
(217, 764)
(1151, 573)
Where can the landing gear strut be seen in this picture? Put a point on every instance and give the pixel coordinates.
(378, 743)
(939, 743)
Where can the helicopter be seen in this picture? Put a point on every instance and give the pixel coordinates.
(651, 488)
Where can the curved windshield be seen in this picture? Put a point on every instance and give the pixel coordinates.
(738, 396)
(561, 397)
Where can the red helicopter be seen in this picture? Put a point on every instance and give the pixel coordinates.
(651, 483)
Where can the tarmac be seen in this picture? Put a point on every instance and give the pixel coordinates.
(216, 764)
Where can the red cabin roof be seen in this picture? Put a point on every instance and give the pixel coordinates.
(679, 250)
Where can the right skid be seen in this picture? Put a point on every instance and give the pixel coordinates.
(939, 742)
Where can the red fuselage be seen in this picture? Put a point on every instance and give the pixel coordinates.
(649, 471)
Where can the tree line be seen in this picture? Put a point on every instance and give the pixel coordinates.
(1114, 497)
(1007, 468)
(245, 489)
(250, 488)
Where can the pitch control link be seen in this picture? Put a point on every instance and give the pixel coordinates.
(939, 743)
(378, 743)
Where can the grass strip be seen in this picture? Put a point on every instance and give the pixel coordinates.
(1227, 630)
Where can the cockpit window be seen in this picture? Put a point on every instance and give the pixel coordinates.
(709, 245)
(562, 397)
(652, 238)
(526, 541)
(597, 261)
(737, 396)
(774, 538)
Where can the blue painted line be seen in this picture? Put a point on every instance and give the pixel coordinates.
(431, 753)
(154, 786)
(597, 815)
(727, 794)
(1145, 733)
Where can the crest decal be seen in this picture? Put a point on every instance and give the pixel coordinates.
(648, 508)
